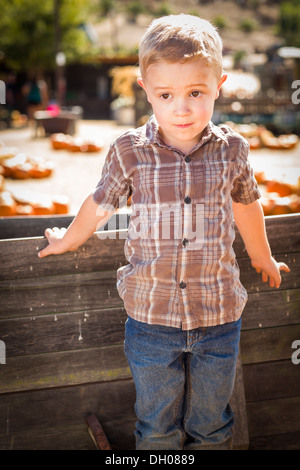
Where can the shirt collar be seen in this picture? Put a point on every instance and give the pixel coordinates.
(211, 132)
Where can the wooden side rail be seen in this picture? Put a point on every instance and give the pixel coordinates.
(62, 323)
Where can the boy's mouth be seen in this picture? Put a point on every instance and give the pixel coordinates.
(183, 126)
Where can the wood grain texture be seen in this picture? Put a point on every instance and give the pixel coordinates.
(62, 322)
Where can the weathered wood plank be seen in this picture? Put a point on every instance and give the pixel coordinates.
(35, 226)
(109, 254)
(37, 333)
(266, 418)
(265, 309)
(60, 437)
(84, 304)
(63, 368)
(71, 292)
(277, 227)
(19, 258)
(38, 295)
(63, 332)
(55, 418)
(283, 235)
(32, 226)
(270, 380)
(286, 441)
(61, 293)
(17, 296)
(268, 344)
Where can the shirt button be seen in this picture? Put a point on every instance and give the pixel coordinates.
(187, 159)
(187, 200)
(182, 285)
(185, 242)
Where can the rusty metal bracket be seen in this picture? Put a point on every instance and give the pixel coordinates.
(97, 434)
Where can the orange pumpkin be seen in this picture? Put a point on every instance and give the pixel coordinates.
(282, 189)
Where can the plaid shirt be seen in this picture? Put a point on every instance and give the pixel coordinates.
(182, 270)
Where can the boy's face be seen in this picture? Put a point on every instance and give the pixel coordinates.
(182, 96)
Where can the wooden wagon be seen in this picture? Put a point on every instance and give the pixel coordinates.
(62, 328)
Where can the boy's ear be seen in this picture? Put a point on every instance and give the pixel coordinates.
(223, 79)
(142, 84)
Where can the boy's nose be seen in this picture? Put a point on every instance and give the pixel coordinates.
(181, 108)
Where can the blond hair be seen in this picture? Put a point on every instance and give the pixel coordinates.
(180, 38)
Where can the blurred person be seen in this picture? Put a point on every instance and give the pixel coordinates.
(11, 91)
(36, 94)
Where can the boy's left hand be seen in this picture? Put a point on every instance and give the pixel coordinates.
(270, 271)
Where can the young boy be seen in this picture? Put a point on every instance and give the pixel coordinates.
(181, 287)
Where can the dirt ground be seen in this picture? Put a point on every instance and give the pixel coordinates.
(76, 174)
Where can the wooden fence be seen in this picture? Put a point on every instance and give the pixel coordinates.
(62, 323)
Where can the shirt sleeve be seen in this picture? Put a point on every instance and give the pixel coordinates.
(245, 189)
(113, 189)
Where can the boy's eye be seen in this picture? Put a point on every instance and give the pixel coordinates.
(165, 96)
(196, 93)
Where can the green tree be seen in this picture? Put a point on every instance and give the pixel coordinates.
(248, 25)
(28, 32)
(163, 9)
(220, 22)
(289, 22)
(106, 7)
(134, 8)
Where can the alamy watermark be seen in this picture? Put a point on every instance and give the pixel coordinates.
(2, 92)
(2, 352)
(296, 94)
(160, 221)
(296, 354)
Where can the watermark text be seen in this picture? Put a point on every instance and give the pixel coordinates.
(2, 92)
(296, 354)
(2, 352)
(296, 94)
(158, 222)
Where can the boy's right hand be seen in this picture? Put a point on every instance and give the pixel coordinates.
(81, 228)
(55, 242)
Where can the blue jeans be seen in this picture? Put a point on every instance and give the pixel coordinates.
(184, 381)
